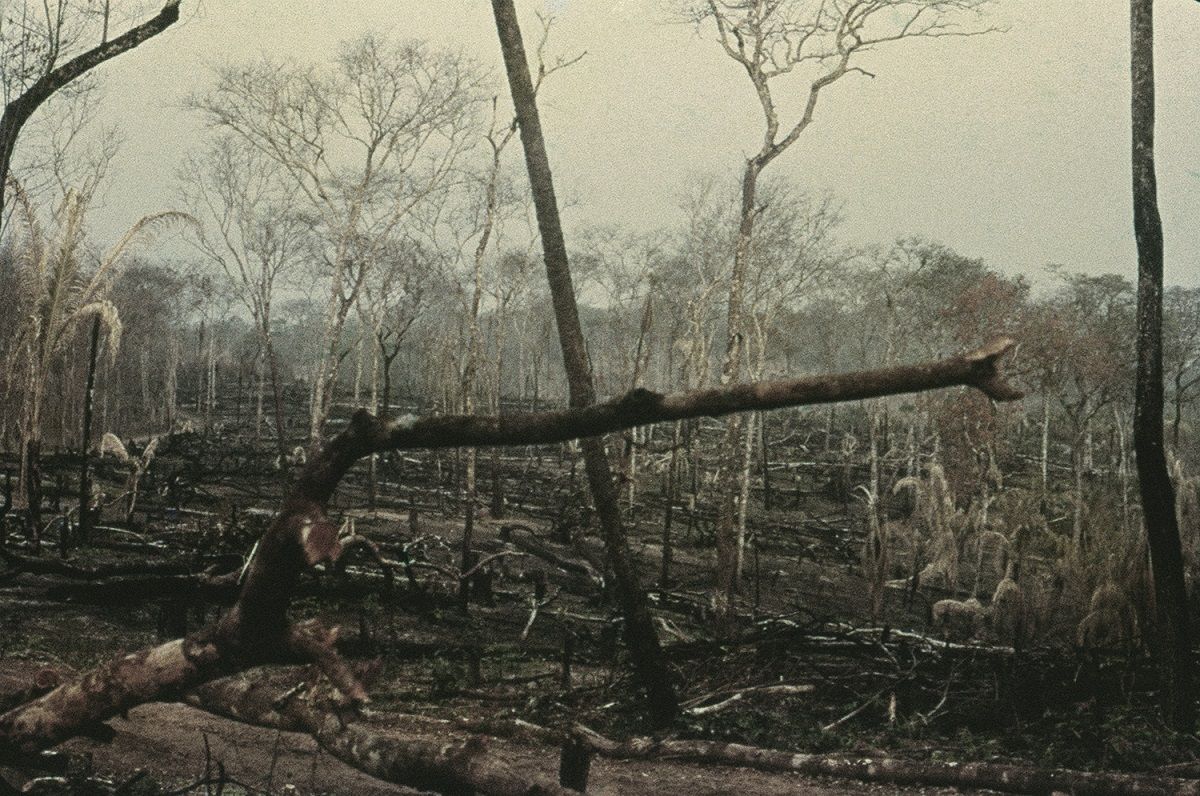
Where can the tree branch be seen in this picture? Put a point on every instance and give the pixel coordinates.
(256, 629)
(979, 369)
(17, 112)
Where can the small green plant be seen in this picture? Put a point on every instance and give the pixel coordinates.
(446, 678)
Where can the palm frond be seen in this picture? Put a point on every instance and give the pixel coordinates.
(109, 317)
(141, 232)
(111, 443)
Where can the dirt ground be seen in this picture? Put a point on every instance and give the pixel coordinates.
(804, 570)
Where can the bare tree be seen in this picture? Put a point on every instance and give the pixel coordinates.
(771, 39)
(1158, 493)
(1182, 351)
(364, 142)
(254, 234)
(640, 633)
(44, 47)
(398, 294)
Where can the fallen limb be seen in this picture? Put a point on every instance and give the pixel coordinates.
(979, 369)
(358, 542)
(532, 546)
(257, 630)
(694, 708)
(992, 776)
(135, 589)
(535, 606)
(52, 566)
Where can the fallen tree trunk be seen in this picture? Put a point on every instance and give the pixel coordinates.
(464, 766)
(991, 776)
(107, 690)
(978, 369)
(221, 589)
(256, 628)
(576, 575)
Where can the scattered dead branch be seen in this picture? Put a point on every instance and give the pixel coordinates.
(257, 630)
(695, 707)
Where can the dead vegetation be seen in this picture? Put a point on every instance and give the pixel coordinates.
(536, 645)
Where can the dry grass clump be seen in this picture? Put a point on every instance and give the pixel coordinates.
(1111, 622)
(958, 620)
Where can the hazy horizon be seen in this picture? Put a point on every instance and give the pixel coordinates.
(1010, 147)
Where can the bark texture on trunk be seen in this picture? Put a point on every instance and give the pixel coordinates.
(640, 634)
(85, 443)
(1157, 491)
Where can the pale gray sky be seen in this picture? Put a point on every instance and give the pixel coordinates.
(1012, 147)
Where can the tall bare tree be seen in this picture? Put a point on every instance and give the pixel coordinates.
(254, 234)
(364, 142)
(1158, 493)
(769, 40)
(640, 633)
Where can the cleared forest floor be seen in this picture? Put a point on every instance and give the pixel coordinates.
(859, 688)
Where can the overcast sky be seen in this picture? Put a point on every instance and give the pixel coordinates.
(1012, 147)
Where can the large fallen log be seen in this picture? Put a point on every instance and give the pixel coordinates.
(991, 776)
(456, 767)
(257, 630)
(988, 776)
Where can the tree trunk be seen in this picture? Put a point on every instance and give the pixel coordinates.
(749, 434)
(672, 495)
(33, 491)
(1178, 405)
(1045, 443)
(732, 454)
(260, 390)
(1077, 509)
(276, 393)
(641, 635)
(85, 445)
(1158, 493)
(766, 462)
